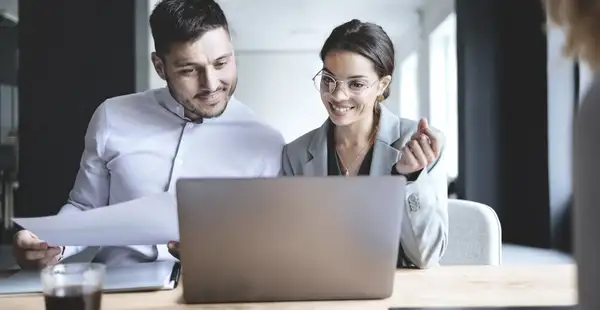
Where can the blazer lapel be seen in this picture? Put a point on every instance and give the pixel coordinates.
(384, 158)
(317, 163)
(385, 155)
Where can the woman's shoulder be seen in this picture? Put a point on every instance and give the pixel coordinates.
(301, 144)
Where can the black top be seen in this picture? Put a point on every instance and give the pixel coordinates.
(333, 160)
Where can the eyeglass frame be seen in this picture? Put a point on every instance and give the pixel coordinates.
(361, 92)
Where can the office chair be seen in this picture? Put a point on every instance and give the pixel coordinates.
(475, 234)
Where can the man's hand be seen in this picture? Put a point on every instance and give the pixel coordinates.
(31, 252)
(420, 151)
(174, 248)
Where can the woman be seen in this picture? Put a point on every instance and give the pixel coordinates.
(362, 137)
(581, 21)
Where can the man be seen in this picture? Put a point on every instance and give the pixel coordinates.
(140, 144)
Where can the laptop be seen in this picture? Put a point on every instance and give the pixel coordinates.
(289, 239)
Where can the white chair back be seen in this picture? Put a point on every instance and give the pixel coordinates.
(475, 234)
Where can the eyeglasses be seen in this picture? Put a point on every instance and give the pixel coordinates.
(327, 84)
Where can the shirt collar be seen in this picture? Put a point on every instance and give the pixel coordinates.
(166, 100)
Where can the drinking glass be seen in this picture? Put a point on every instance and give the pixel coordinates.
(75, 286)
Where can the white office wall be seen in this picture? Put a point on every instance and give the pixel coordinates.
(443, 88)
(284, 25)
(428, 75)
(278, 86)
(409, 87)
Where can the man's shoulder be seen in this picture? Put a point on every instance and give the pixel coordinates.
(111, 110)
(258, 124)
(127, 101)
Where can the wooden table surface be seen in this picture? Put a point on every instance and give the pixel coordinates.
(527, 285)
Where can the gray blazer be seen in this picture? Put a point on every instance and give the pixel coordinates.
(424, 234)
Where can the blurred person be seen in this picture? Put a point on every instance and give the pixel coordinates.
(362, 137)
(140, 144)
(580, 20)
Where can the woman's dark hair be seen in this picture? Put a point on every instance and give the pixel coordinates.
(366, 39)
(180, 21)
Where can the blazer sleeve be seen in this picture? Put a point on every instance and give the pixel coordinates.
(424, 235)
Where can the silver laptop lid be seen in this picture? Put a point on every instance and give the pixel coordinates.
(292, 238)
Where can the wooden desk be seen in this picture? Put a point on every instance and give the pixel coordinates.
(442, 286)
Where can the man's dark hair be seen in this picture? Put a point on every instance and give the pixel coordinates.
(181, 21)
(366, 39)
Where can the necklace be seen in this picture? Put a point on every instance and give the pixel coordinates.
(369, 144)
(347, 169)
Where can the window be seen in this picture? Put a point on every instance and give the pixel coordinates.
(443, 107)
(409, 91)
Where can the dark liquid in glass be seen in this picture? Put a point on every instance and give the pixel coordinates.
(73, 298)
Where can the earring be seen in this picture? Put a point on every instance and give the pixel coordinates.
(380, 98)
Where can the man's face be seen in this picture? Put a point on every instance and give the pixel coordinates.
(201, 75)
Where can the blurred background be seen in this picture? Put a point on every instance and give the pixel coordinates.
(486, 72)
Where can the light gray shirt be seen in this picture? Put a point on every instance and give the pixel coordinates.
(140, 144)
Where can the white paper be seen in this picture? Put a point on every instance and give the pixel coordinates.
(146, 221)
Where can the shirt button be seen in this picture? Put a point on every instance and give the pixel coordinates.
(180, 161)
(190, 125)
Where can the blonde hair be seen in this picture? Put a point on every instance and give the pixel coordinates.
(580, 20)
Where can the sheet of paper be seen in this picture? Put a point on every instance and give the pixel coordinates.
(145, 221)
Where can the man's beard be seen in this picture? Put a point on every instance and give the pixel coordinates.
(197, 114)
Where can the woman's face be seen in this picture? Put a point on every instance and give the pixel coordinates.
(349, 87)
